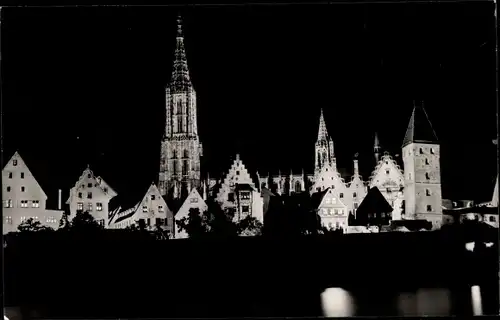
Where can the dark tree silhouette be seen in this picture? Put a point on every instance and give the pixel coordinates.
(32, 225)
(84, 222)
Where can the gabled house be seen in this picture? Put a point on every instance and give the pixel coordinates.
(374, 210)
(23, 197)
(239, 193)
(92, 194)
(331, 209)
(147, 212)
(193, 201)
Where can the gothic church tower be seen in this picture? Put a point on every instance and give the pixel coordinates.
(181, 148)
(324, 154)
(422, 192)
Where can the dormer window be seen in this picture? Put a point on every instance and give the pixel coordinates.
(14, 162)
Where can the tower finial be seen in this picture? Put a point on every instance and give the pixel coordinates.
(179, 26)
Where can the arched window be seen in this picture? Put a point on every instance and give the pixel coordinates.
(298, 186)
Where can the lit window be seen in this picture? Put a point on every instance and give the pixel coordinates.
(51, 220)
(144, 208)
(79, 206)
(23, 219)
(325, 211)
(89, 195)
(160, 208)
(8, 203)
(8, 189)
(331, 211)
(35, 218)
(8, 220)
(335, 211)
(22, 175)
(195, 200)
(89, 206)
(429, 208)
(427, 192)
(24, 203)
(10, 175)
(334, 201)
(245, 196)
(35, 204)
(23, 189)
(98, 206)
(327, 200)
(14, 162)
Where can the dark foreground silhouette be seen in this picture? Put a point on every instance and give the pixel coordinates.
(125, 275)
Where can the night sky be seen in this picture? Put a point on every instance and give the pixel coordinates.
(86, 86)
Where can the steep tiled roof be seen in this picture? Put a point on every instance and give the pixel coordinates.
(317, 197)
(419, 128)
(374, 202)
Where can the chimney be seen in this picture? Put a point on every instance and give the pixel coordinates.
(59, 200)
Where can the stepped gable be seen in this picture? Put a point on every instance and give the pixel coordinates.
(387, 162)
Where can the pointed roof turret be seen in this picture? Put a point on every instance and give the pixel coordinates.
(180, 80)
(322, 132)
(420, 128)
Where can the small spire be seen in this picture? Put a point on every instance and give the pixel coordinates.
(237, 157)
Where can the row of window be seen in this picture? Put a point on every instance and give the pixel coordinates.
(243, 196)
(98, 206)
(11, 174)
(22, 204)
(160, 208)
(23, 189)
(90, 185)
(80, 195)
(333, 211)
(51, 219)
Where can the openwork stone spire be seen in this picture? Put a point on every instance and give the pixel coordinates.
(322, 132)
(180, 80)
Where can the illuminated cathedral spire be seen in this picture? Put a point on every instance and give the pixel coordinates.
(180, 80)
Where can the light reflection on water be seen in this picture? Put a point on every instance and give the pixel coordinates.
(337, 302)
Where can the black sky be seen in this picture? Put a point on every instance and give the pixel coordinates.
(86, 85)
